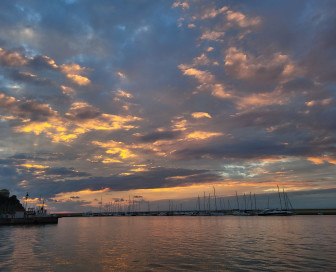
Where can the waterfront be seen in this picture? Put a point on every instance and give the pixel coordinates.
(227, 243)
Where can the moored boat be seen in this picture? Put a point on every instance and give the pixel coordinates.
(275, 212)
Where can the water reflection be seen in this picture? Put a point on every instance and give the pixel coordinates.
(172, 244)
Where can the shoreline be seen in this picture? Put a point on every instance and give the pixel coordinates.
(190, 213)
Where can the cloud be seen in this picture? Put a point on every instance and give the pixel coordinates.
(241, 20)
(155, 178)
(80, 119)
(160, 135)
(198, 115)
(31, 109)
(212, 12)
(183, 4)
(261, 69)
(11, 58)
(261, 99)
(202, 135)
(212, 35)
(122, 93)
(186, 93)
(75, 73)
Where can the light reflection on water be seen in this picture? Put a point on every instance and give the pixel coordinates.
(298, 243)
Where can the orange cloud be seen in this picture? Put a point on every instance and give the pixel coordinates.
(72, 68)
(201, 76)
(120, 74)
(34, 166)
(12, 58)
(219, 91)
(81, 118)
(179, 123)
(212, 35)
(247, 66)
(67, 90)
(182, 4)
(241, 20)
(122, 93)
(75, 73)
(80, 80)
(202, 135)
(212, 13)
(198, 115)
(109, 160)
(322, 159)
(261, 99)
(119, 149)
(323, 102)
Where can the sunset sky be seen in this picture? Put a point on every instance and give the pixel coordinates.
(166, 99)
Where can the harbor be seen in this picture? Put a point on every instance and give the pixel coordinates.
(12, 212)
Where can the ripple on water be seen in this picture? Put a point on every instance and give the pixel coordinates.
(172, 244)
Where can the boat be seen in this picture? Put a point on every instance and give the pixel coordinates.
(275, 212)
(281, 211)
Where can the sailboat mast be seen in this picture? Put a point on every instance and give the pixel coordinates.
(279, 197)
(285, 199)
(237, 200)
(204, 201)
(245, 201)
(251, 201)
(215, 197)
(255, 202)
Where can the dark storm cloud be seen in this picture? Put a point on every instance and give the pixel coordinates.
(27, 108)
(248, 149)
(65, 172)
(40, 62)
(155, 178)
(160, 135)
(83, 113)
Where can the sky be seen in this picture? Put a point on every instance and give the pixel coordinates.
(111, 101)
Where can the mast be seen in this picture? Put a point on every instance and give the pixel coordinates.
(129, 203)
(289, 202)
(198, 203)
(251, 201)
(229, 206)
(204, 201)
(215, 198)
(245, 201)
(209, 203)
(279, 197)
(237, 200)
(285, 199)
(255, 202)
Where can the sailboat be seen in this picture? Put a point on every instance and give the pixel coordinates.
(281, 211)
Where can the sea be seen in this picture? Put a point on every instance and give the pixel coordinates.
(172, 243)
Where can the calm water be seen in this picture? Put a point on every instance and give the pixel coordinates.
(228, 243)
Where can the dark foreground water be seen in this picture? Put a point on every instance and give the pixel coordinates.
(228, 243)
